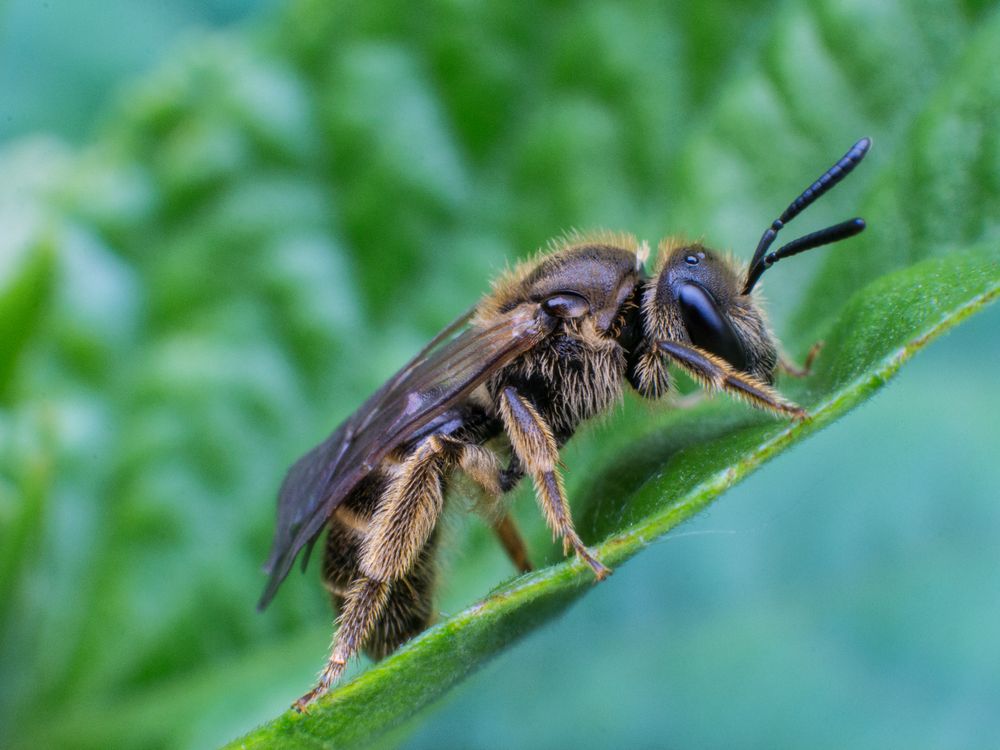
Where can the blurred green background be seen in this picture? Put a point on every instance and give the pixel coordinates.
(224, 223)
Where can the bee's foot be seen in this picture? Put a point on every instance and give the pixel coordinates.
(330, 674)
(601, 571)
(302, 704)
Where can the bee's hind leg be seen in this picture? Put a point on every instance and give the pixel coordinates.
(398, 532)
(409, 610)
(363, 605)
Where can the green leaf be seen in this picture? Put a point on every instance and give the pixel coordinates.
(23, 296)
(698, 454)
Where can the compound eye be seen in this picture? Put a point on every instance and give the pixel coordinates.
(707, 327)
(566, 305)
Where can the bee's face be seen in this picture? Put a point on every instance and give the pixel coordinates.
(704, 289)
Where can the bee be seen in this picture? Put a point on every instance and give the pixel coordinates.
(497, 394)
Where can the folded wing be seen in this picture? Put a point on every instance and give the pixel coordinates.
(438, 378)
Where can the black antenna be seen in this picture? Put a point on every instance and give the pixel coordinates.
(831, 177)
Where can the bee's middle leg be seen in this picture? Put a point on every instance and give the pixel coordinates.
(535, 447)
(512, 542)
(398, 531)
(482, 467)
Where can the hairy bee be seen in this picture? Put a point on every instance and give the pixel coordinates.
(552, 345)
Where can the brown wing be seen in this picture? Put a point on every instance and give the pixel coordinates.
(440, 377)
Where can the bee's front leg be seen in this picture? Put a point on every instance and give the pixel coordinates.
(716, 373)
(793, 370)
(535, 447)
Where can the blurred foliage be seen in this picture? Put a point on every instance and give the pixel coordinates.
(271, 222)
(60, 60)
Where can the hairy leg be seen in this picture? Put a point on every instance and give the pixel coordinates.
(790, 368)
(409, 608)
(363, 604)
(483, 467)
(513, 543)
(714, 372)
(536, 449)
(396, 534)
